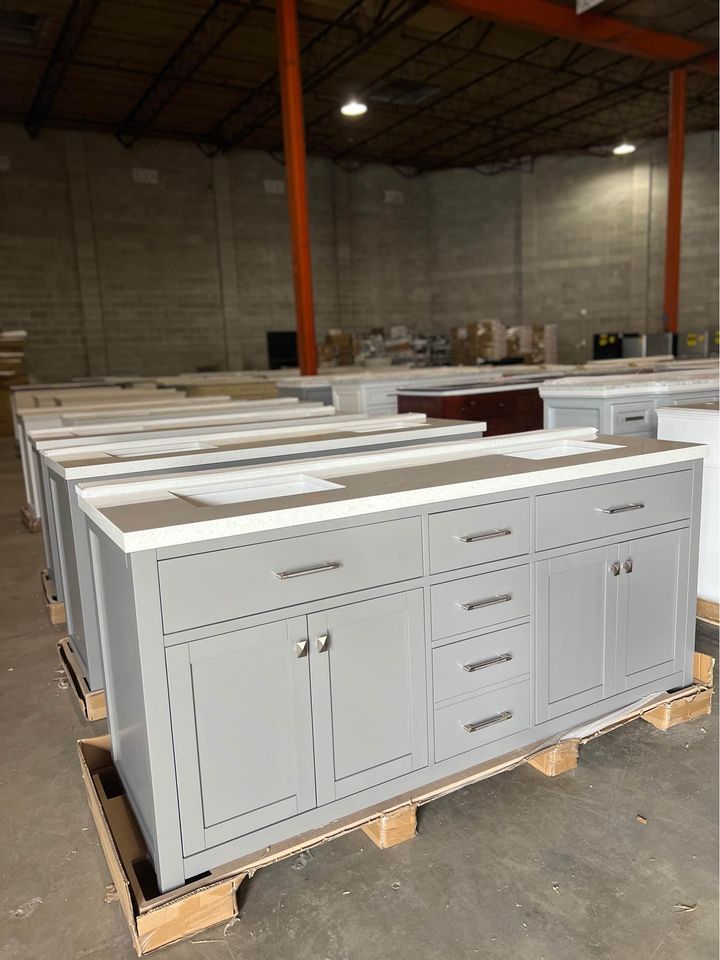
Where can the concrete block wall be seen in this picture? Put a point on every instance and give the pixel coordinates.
(109, 275)
(579, 241)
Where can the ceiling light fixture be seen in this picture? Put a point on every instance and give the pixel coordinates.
(353, 108)
(624, 148)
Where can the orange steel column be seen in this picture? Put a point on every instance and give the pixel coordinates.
(294, 148)
(676, 158)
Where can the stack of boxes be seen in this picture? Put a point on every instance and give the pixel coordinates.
(12, 373)
(490, 341)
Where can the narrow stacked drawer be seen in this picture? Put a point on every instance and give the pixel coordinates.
(481, 649)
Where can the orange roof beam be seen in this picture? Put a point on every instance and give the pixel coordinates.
(593, 29)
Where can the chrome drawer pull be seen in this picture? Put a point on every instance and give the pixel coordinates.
(614, 569)
(301, 649)
(479, 724)
(481, 664)
(640, 416)
(320, 568)
(477, 604)
(491, 534)
(627, 566)
(322, 643)
(623, 509)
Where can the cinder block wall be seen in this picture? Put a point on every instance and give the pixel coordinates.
(109, 275)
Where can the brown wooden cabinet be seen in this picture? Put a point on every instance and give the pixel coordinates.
(505, 411)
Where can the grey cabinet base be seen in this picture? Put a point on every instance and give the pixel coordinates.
(338, 692)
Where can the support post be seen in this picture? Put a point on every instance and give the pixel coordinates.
(294, 149)
(676, 157)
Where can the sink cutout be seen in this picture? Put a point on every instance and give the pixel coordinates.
(568, 448)
(131, 451)
(248, 490)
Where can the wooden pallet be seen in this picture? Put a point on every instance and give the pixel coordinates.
(91, 702)
(29, 519)
(708, 611)
(157, 920)
(55, 608)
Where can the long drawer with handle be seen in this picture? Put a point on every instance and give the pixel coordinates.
(467, 666)
(221, 585)
(474, 535)
(472, 603)
(612, 509)
(472, 723)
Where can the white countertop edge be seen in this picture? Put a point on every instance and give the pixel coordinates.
(279, 520)
(459, 392)
(681, 412)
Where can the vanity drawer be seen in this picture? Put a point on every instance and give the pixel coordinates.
(632, 418)
(472, 603)
(612, 509)
(465, 667)
(225, 584)
(480, 720)
(473, 535)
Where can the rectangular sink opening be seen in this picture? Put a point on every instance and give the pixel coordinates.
(131, 451)
(570, 448)
(248, 490)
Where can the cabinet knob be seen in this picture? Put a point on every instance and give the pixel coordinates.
(614, 569)
(301, 648)
(322, 643)
(627, 566)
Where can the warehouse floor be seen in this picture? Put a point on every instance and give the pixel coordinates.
(517, 867)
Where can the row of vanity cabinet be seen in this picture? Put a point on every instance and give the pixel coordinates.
(249, 700)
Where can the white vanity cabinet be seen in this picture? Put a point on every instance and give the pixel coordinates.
(700, 423)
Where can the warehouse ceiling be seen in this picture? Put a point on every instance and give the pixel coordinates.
(443, 89)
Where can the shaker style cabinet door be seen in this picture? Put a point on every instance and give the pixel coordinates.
(576, 600)
(367, 662)
(242, 728)
(652, 608)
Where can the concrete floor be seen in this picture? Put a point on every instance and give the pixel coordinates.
(516, 868)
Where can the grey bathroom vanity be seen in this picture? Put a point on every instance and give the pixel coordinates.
(139, 417)
(624, 405)
(63, 470)
(285, 649)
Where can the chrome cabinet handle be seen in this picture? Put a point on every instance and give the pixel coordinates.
(627, 566)
(301, 648)
(303, 571)
(622, 509)
(481, 664)
(490, 602)
(488, 535)
(322, 643)
(640, 416)
(479, 724)
(614, 569)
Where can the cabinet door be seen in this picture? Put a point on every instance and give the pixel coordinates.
(369, 696)
(576, 601)
(242, 730)
(652, 610)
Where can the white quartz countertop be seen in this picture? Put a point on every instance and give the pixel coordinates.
(203, 451)
(189, 508)
(468, 389)
(147, 422)
(638, 384)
